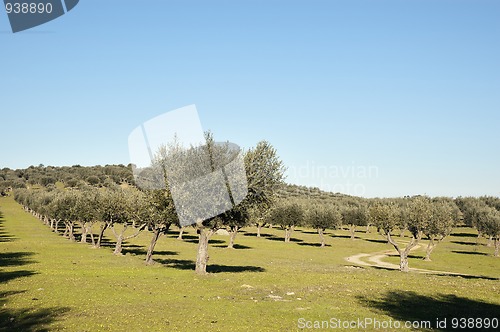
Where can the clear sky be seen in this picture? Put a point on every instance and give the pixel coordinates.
(373, 98)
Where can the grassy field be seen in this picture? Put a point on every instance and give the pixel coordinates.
(50, 283)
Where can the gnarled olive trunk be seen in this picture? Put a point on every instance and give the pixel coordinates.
(429, 249)
(120, 237)
(83, 225)
(321, 236)
(104, 226)
(232, 235)
(202, 255)
(152, 244)
(352, 229)
(70, 230)
(259, 228)
(118, 245)
(288, 233)
(478, 237)
(403, 253)
(181, 231)
(403, 262)
(431, 246)
(490, 241)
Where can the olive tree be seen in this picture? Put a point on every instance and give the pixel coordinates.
(264, 176)
(440, 225)
(487, 221)
(353, 216)
(385, 215)
(322, 217)
(112, 209)
(134, 218)
(86, 207)
(158, 212)
(288, 216)
(65, 209)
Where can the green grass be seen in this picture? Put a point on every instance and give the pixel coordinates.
(48, 282)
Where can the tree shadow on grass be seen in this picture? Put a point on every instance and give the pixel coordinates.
(180, 264)
(469, 252)
(142, 251)
(342, 236)
(464, 235)
(4, 236)
(309, 244)
(188, 237)
(12, 259)
(265, 235)
(308, 232)
(282, 239)
(15, 258)
(414, 256)
(11, 275)
(27, 319)
(464, 243)
(216, 268)
(235, 246)
(376, 241)
(211, 241)
(410, 306)
(186, 264)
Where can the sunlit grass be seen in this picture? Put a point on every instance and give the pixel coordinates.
(265, 284)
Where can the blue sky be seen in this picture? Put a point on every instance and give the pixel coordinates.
(373, 98)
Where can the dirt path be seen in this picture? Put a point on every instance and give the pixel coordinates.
(376, 260)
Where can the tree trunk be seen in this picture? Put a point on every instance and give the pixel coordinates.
(52, 223)
(119, 239)
(65, 230)
(430, 248)
(56, 229)
(478, 237)
(202, 256)
(101, 235)
(352, 229)
(368, 228)
(118, 245)
(149, 254)
(92, 237)
(232, 235)
(403, 266)
(181, 231)
(71, 235)
(490, 241)
(497, 246)
(403, 254)
(322, 237)
(403, 262)
(84, 232)
(288, 234)
(402, 232)
(259, 227)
